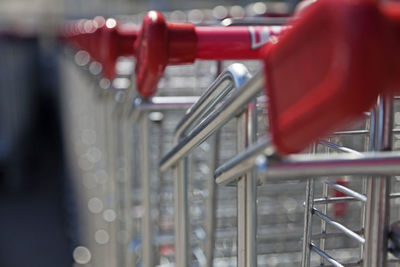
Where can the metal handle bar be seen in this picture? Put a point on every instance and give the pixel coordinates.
(304, 166)
(231, 79)
(186, 138)
(231, 106)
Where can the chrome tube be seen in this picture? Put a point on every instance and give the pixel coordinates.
(307, 228)
(303, 166)
(326, 256)
(110, 127)
(247, 194)
(233, 105)
(211, 207)
(147, 230)
(378, 191)
(242, 162)
(347, 191)
(160, 103)
(231, 79)
(339, 226)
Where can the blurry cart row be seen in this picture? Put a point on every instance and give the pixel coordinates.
(267, 142)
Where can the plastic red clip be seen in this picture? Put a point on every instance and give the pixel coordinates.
(115, 41)
(161, 43)
(104, 40)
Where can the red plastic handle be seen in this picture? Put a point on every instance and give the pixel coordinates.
(115, 41)
(161, 44)
(328, 70)
(104, 40)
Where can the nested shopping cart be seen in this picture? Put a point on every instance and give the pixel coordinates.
(149, 163)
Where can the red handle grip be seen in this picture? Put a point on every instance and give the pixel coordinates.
(114, 41)
(105, 41)
(161, 44)
(328, 70)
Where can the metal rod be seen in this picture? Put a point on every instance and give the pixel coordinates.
(242, 162)
(339, 226)
(394, 195)
(320, 201)
(325, 195)
(232, 78)
(324, 255)
(247, 194)
(147, 231)
(353, 132)
(128, 221)
(181, 214)
(211, 200)
(228, 109)
(378, 204)
(109, 127)
(241, 196)
(347, 191)
(251, 187)
(351, 264)
(307, 232)
(359, 132)
(160, 103)
(333, 234)
(337, 147)
(369, 142)
(304, 166)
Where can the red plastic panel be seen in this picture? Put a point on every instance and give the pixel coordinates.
(324, 72)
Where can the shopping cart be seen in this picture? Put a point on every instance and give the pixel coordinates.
(226, 120)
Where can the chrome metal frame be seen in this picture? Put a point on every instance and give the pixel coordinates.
(232, 105)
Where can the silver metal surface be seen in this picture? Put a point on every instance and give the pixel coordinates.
(306, 165)
(378, 190)
(147, 224)
(242, 162)
(211, 200)
(129, 223)
(231, 79)
(246, 194)
(339, 227)
(307, 234)
(112, 228)
(215, 120)
(181, 225)
(326, 256)
(160, 103)
(347, 191)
